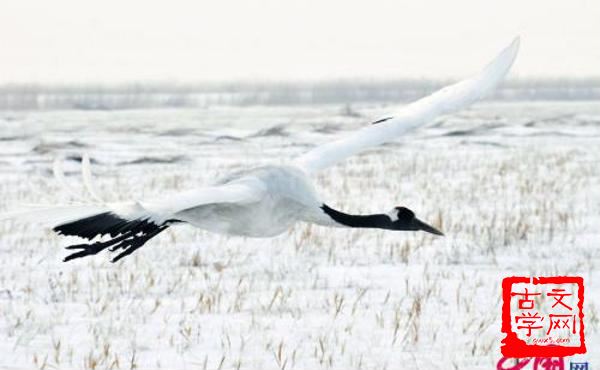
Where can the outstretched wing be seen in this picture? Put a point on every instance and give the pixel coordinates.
(239, 192)
(93, 218)
(447, 100)
(130, 224)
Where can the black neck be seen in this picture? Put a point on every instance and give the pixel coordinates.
(377, 221)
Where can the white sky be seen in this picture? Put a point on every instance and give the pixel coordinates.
(77, 41)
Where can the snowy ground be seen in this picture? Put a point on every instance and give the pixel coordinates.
(513, 185)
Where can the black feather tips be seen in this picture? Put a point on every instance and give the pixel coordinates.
(127, 235)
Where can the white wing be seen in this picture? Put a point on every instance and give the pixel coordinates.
(447, 100)
(160, 210)
(155, 210)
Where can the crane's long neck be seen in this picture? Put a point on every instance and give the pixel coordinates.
(377, 221)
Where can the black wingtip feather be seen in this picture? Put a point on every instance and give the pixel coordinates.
(125, 235)
(90, 227)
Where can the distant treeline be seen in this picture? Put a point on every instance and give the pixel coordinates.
(131, 96)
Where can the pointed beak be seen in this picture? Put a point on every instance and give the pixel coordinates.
(420, 225)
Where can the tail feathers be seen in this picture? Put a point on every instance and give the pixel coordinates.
(106, 223)
(86, 220)
(129, 226)
(127, 236)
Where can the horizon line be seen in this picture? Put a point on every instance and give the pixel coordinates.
(154, 84)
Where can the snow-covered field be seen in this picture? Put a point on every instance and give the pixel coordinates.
(515, 187)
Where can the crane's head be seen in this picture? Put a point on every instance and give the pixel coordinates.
(399, 218)
(403, 218)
